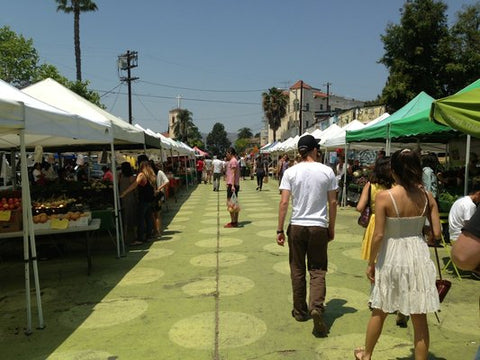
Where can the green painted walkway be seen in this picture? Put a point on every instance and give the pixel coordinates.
(205, 292)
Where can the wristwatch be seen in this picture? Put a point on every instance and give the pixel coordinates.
(280, 232)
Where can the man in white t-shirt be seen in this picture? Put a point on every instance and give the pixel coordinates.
(217, 172)
(462, 210)
(313, 188)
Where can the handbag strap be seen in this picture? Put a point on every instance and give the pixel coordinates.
(429, 217)
(369, 195)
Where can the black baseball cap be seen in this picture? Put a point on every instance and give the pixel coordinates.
(307, 143)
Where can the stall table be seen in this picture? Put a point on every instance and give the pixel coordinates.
(92, 226)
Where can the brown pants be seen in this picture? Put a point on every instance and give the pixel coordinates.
(310, 242)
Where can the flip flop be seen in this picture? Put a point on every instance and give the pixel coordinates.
(358, 353)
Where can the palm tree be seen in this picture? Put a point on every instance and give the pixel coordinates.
(183, 125)
(244, 133)
(76, 6)
(274, 103)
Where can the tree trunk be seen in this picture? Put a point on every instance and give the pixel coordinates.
(76, 34)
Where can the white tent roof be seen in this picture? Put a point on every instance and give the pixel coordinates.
(329, 132)
(57, 95)
(378, 119)
(44, 124)
(338, 139)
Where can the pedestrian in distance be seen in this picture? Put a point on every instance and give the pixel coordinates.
(313, 188)
(217, 165)
(232, 178)
(399, 264)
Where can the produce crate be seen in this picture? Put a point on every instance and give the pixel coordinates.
(14, 223)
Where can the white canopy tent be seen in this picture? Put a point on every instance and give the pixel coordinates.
(338, 139)
(55, 94)
(25, 121)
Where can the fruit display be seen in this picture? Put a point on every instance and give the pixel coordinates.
(56, 208)
(10, 203)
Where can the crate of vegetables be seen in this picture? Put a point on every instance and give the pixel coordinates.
(10, 215)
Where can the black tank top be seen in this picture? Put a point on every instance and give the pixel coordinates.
(145, 193)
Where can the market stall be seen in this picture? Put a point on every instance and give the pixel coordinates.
(26, 122)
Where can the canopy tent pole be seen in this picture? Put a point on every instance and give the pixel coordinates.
(118, 222)
(186, 173)
(467, 161)
(30, 252)
(344, 188)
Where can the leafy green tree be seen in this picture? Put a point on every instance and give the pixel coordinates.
(217, 140)
(18, 58)
(464, 50)
(195, 138)
(413, 52)
(274, 103)
(19, 66)
(77, 7)
(244, 133)
(242, 144)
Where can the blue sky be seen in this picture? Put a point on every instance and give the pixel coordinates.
(219, 55)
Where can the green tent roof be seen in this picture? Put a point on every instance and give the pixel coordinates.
(411, 120)
(460, 111)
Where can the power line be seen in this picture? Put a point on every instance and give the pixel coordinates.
(201, 90)
(185, 98)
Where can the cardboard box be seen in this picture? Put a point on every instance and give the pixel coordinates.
(14, 223)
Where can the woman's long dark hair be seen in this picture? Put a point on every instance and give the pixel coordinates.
(407, 166)
(382, 173)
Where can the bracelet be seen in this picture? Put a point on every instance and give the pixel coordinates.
(280, 232)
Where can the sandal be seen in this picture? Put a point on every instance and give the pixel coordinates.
(358, 353)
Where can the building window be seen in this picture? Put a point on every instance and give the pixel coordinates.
(307, 107)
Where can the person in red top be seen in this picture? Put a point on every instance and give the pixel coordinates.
(232, 177)
(200, 166)
(107, 174)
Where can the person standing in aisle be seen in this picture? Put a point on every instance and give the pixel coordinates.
(261, 168)
(129, 203)
(145, 183)
(399, 264)
(217, 172)
(313, 188)
(162, 183)
(232, 177)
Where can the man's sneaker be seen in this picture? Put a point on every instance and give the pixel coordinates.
(301, 317)
(319, 327)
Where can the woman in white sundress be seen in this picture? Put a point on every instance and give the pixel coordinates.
(403, 273)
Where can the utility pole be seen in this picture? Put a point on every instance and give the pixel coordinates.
(328, 95)
(128, 61)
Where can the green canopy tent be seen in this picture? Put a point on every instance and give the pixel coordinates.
(460, 111)
(411, 122)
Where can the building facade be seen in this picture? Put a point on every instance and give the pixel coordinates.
(310, 108)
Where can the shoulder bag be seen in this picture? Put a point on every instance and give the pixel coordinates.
(364, 218)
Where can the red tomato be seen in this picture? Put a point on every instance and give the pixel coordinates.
(10, 201)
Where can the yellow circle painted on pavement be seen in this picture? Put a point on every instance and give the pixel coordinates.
(228, 285)
(353, 253)
(459, 317)
(283, 267)
(157, 253)
(104, 314)
(214, 230)
(262, 215)
(78, 355)
(341, 347)
(235, 330)
(225, 259)
(274, 248)
(141, 275)
(223, 242)
(265, 223)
